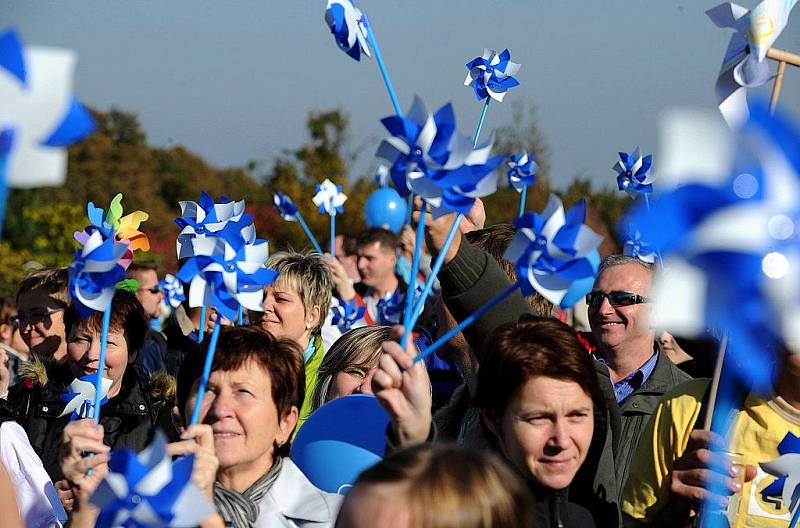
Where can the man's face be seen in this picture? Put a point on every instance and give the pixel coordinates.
(375, 264)
(148, 283)
(614, 326)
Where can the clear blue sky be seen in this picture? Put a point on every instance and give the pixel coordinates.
(234, 80)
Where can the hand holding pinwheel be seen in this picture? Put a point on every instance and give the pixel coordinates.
(521, 173)
(288, 211)
(330, 200)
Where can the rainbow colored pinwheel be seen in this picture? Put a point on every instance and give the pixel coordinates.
(346, 315)
(429, 157)
(95, 272)
(81, 397)
(635, 246)
(491, 74)
(113, 224)
(286, 207)
(744, 65)
(225, 277)
(551, 250)
(39, 115)
(787, 468)
(206, 218)
(329, 198)
(150, 490)
(172, 289)
(521, 171)
(348, 26)
(633, 173)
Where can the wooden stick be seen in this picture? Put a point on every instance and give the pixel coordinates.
(712, 400)
(776, 87)
(784, 56)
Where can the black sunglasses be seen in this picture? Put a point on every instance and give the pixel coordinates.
(616, 298)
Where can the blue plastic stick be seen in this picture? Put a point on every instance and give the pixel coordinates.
(202, 331)
(412, 283)
(480, 122)
(333, 237)
(241, 316)
(309, 234)
(522, 198)
(101, 362)
(373, 43)
(795, 516)
(466, 322)
(201, 390)
(437, 265)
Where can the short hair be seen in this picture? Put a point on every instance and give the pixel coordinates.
(358, 348)
(349, 245)
(384, 237)
(54, 281)
(445, 486)
(137, 267)
(310, 277)
(516, 352)
(127, 316)
(495, 240)
(240, 345)
(619, 260)
(8, 309)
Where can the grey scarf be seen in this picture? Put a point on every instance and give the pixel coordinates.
(241, 509)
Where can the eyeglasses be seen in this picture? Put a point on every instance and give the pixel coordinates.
(616, 298)
(154, 290)
(34, 317)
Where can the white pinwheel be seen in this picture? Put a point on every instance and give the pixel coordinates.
(95, 272)
(207, 218)
(81, 396)
(172, 289)
(329, 198)
(491, 74)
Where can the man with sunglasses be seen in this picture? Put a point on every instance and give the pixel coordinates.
(152, 357)
(619, 314)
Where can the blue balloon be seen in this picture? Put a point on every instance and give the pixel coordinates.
(385, 208)
(581, 287)
(340, 440)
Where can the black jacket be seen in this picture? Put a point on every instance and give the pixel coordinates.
(554, 510)
(128, 419)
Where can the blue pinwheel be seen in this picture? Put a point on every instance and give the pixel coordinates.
(787, 468)
(346, 315)
(633, 173)
(42, 114)
(150, 490)
(95, 272)
(349, 27)
(172, 289)
(551, 250)
(207, 218)
(80, 398)
(521, 171)
(635, 246)
(491, 74)
(286, 207)
(430, 158)
(226, 277)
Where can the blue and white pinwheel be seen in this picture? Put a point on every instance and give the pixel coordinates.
(172, 289)
(491, 74)
(346, 315)
(206, 218)
(429, 157)
(81, 396)
(745, 65)
(349, 27)
(286, 207)
(150, 490)
(787, 468)
(635, 246)
(390, 310)
(633, 173)
(730, 244)
(551, 250)
(382, 175)
(329, 198)
(95, 272)
(521, 171)
(225, 277)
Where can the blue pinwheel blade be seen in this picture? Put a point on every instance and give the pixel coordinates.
(124, 461)
(11, 56)
(76, 124)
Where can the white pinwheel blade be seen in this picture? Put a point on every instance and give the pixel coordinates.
(252, 300)
(680, 294)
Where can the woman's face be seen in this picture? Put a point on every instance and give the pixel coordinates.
(546, 430)
(42, 324)
(284, 314)
(356, 379)
(83, 353)
(238, 406)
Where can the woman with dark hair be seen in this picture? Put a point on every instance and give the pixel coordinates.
(438, 486)
(538, 400)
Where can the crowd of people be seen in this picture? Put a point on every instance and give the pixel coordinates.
(533, 416)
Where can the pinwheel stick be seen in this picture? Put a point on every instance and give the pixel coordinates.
(101, 362)
(480, 122)
(373, 43)
(522, 200)
(202, 332)
(3, 191)
(412, 282)
(201, 389)
(333, 237)
(309, 234)
(466, 322)
(437, 265)
(783, 58)
(409, 208)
